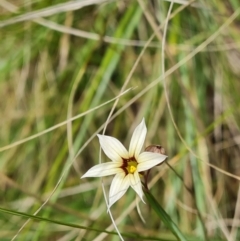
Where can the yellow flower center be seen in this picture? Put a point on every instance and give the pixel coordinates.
(131, 166)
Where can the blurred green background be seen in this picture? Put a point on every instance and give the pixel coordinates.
(59, 59)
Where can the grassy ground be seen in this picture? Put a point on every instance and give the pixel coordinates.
(60, 59)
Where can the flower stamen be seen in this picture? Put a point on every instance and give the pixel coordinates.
(131, 166)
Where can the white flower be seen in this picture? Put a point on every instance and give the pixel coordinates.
(126, 165)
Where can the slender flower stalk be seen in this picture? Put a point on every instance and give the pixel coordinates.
(125, 165)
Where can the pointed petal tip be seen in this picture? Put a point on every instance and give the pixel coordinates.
(108, 207)
(164, 156)
(142, 123)
(143, 200)
(83, 176)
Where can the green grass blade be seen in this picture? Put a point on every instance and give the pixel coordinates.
(98, 230)
(164, 216)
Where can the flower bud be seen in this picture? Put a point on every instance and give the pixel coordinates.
(156, 149)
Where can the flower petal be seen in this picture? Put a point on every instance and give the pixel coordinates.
(137, 139)
(147, 160)
(113, 148)
(104, 169)
(119, 186)
(136, 184)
